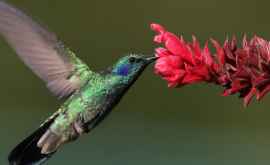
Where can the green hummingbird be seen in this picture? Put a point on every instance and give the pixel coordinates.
(90, 96)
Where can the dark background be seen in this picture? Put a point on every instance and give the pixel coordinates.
(153, 125)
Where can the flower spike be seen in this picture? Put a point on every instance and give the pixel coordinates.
(244, 70)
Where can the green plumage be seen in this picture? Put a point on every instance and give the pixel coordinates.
(90, 96)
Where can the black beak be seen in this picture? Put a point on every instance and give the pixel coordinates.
(151, 59)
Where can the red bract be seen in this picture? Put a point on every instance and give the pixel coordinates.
(244, 70)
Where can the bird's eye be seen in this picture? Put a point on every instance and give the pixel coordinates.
(132, 59)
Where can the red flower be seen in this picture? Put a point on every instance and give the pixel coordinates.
(168, 68)
(242, 70)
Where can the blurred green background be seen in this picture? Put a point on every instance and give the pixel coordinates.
(152, 125)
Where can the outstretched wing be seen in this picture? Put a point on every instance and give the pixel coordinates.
(41, 51)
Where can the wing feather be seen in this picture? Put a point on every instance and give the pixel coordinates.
(39, 49)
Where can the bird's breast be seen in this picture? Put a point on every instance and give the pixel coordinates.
(87, 107)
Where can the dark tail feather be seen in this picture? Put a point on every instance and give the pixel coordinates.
(27, 152)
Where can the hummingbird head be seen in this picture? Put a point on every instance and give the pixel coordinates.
(131, 66)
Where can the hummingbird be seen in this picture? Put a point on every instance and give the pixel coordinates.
(89, 96)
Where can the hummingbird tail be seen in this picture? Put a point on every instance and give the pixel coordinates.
(28, 152)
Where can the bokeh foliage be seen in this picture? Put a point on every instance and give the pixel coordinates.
(153, 124)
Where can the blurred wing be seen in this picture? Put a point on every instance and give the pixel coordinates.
(40, 50)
